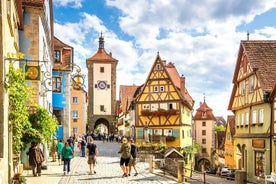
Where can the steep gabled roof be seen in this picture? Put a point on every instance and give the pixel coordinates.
(220, 121)
(231, 123)
(176, 79)
(59, 44)
(204, 112)
(126, 96)
(261, 57)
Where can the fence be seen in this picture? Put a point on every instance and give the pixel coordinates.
(176, 168)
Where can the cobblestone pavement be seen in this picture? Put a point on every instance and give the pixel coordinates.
(107, 168)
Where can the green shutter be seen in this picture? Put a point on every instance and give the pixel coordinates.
(175, 133)
(140, 133)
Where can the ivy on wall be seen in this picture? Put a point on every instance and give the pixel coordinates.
(18, 110)
(39, 126)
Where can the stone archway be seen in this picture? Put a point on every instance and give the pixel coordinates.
(203, 163)
(102, 121)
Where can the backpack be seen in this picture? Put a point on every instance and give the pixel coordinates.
(91, 148)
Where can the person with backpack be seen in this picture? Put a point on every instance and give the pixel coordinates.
(92, 152)
(60, 146)
(133, 152)
(125, 157)
(83, 145)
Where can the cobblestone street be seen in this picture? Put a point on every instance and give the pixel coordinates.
(107, 168)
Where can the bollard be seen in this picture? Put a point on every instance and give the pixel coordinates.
(240, 177)
(142, 158)
(180, 171)
(151, 163)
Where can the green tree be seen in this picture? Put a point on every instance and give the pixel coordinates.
(220, 128)
(44, 124)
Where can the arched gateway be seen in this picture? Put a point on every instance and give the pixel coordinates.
(101, 89)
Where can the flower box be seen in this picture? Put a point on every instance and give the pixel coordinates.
(160, 112)
(170, 138)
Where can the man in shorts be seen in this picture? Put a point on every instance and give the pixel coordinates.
(92, 152)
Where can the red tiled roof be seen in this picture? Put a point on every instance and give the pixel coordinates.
(204, 109)
(262, 56)
(101, 55)
(172, 71)
(126, 96)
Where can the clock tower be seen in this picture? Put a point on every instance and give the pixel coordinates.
(101, 90)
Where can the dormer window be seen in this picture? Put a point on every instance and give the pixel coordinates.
(204, 114)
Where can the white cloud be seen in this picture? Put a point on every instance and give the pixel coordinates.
(70, 3)
(200, 37)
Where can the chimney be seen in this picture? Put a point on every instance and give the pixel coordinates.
(164, 62)
(182, 84)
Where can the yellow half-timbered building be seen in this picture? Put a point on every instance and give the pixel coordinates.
(164, 107)
(253, 81)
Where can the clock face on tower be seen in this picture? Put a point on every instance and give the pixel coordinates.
(102, 84)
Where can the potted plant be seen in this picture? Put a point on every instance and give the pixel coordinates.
(19, 179)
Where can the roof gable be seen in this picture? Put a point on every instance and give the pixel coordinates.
(260, 56)
(126, 96)
(160, 70)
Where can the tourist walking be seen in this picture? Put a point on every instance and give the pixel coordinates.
(125, 156)
(92, 152)
(67, 155)
(36, 158)
(54, 149)
(60, 146)
(133, 152)
(83, 145)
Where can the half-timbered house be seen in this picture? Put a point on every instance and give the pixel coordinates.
(253, 81)
(164, 107)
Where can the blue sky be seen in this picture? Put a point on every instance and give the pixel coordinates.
(200, 37)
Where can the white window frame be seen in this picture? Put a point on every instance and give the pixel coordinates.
(158, 67)
(261, 116)
(168, 132)
(238, 120)
(76, 130)
(254, 117)
(75, 114)
(146, 106)
(251, 84)
(164, 106)
(242, 119)
(155, 88)
(246, 118)
(173, 105)
(243, 87)
(154, 107)
(162, 88)
(75, 100)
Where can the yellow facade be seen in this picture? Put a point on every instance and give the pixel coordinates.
(162, 115)
(79, 116)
